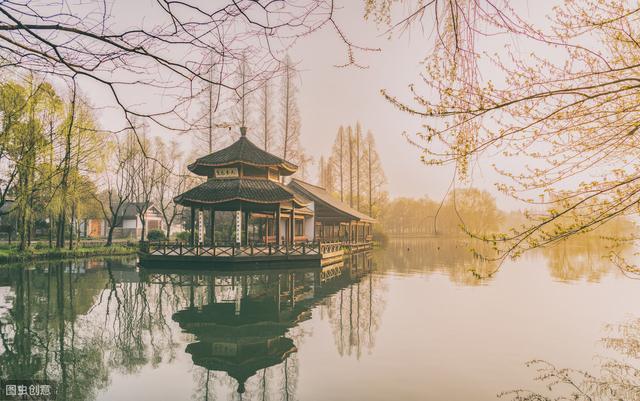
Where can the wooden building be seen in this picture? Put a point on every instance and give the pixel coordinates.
(334, 220)
(246, 180)
(273, 222)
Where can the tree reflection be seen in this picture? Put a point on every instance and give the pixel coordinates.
(457, 258)
(583, 257)
(355, 306)
(618, 377)
(77, 323)
(579, 258)
(42, 335)
(49, 329)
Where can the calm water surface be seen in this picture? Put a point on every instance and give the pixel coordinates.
(409, 322)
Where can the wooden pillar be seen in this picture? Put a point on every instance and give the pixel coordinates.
(245, 227)
(238, 238)
(277, 227)
(292, 224)
(200, 214)
(213, 227)
(193, 226)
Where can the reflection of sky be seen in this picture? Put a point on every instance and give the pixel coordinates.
(417, 328)
(433, 335)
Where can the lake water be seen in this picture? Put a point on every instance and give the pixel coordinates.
(414, 321)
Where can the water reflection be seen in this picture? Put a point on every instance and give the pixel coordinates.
(583, 258)
(454, 257)
(571, 260)
(617, 376)
(79, 323)
(248, 325)
(101, 326)
(41, 333)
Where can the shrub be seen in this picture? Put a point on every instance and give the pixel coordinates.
(183, 236)
(156, 235)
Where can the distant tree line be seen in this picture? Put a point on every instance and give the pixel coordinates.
(474, 212)
(463, 209)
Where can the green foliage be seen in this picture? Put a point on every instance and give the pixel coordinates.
(156, 235)
(42, 251)
(183, 236)
(48, 146)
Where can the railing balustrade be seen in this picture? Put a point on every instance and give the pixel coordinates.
(166, 248)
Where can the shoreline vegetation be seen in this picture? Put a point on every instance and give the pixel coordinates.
(10, 255)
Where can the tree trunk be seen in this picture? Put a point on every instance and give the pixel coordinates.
(73, 216)
(22, 230)
(350, 170)
(61, 227)
(110, 234)
(144, 226)
(358, 169)
(370, 182)
(341, 167)
(51, 231)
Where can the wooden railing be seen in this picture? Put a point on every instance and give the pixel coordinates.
(330, 247)
(181, 249)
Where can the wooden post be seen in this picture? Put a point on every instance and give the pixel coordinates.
(201, 217)
(292, 225)
(246, 227)
(213, 227)
(238, 238)
(277, 227)
(193, 226)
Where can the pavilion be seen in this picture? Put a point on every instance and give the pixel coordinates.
(246, 180)
(274, 223)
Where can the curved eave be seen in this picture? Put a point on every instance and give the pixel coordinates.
(204, 169)
(251, 190)
(184, 201)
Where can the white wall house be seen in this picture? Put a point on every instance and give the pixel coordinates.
(130, 224)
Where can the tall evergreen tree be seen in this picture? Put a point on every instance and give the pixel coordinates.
(290, 146)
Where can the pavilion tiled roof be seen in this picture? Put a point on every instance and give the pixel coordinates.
(256, 190)
(241, 151)
(319, 194)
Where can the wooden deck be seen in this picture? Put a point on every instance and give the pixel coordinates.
(171, 253)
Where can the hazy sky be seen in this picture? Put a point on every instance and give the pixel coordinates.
(331, 96)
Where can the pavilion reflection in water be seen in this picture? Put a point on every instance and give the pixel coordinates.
(241, 322)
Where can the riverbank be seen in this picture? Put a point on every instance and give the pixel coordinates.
(12, 255)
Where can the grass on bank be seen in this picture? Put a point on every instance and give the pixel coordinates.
(10, 254)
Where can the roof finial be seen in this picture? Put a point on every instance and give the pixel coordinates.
(243, 131)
